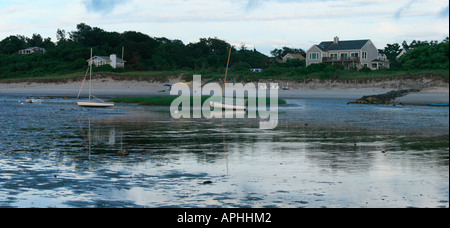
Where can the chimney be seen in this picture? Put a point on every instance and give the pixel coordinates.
(113, 59)
(336, 40)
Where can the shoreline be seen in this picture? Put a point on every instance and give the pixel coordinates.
(432, 91)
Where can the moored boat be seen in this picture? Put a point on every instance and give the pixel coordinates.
(94, 104)
(90, 103)
(226, 106)
(438, 104)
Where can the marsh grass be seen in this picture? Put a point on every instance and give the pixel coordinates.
(167, 100)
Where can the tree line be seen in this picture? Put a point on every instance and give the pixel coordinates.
(419, 55)
(143, 52)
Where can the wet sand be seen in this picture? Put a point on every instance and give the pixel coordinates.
(107, 87)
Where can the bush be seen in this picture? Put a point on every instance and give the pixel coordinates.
(241, 66)
(103, 68)
(365, 70)
(21, 66)
(79, 64)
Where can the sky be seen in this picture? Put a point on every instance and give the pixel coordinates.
(261, 24)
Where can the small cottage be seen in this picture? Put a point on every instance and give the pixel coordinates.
(111, 60)
(32, 50)
(292, 56)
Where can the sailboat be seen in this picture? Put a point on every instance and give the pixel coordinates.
(222, 105)
(91, 103)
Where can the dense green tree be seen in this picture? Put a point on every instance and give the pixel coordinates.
(12, 44)
(426, 55)
(392, 51)
(61, 36)
(280, 53)
(35, 41)
(171, 55)
(143, 52)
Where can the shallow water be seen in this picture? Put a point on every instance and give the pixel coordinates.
(324, 153)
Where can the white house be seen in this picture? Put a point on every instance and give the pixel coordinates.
(112, 60)
(32, 50)
(348, 53)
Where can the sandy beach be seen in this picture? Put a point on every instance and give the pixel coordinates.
(431, 92)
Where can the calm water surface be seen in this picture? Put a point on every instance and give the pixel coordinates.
(324, 153)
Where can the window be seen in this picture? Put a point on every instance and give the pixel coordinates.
(364, 55)
(314, 55)
(344, 55)
(334, 56)
(354, 54)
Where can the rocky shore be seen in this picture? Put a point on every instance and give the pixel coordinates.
(385, 98)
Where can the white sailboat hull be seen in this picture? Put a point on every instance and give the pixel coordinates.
(226, 106)
(94, 104)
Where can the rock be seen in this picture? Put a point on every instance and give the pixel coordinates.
(122, 153)
(386, 98)
(207, 182)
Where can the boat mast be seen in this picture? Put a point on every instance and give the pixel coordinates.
(90, 77)
(226, 72)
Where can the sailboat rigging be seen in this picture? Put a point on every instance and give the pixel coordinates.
(91, 103)
(222, 105)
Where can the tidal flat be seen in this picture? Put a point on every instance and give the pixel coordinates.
(323, 153)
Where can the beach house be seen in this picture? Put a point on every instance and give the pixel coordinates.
(112, 60)
(292, 56)
(32, 50)
(348, 53)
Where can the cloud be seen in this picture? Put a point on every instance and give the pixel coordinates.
(444, 12)
(400, 11)
(101, 5)
(253, 3)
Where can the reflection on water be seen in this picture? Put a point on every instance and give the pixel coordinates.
(323, 153)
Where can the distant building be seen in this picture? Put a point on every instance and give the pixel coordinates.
(292, 56)
(404, 51)
(32, 50)
(382, 57)
(112, 60)
(349, 54)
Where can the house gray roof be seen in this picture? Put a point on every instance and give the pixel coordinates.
(342, 45)
(107, 58)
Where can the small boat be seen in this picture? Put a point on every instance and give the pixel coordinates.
(90, 103)
(226, 106)
(94, 104)
(217, 105)
(438, 104)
